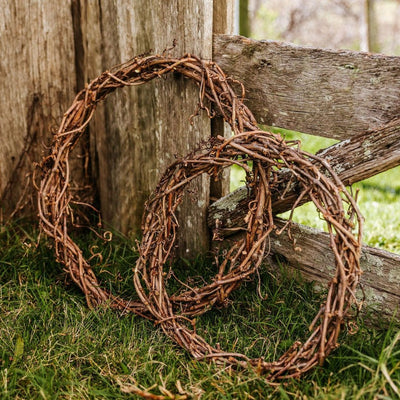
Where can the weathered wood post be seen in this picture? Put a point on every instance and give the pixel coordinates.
(223, 23)
(146, 127)
(38, 80)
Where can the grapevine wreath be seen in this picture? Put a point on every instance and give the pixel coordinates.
(268, 154)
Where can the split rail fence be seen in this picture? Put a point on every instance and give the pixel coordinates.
(350, 96)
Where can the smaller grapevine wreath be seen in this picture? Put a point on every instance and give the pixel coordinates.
(269, 154)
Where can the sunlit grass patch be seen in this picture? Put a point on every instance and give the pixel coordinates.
(378, 198)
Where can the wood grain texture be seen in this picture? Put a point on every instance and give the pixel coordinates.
(381, 269)
(144, 128)
(37, 80)
(337, 94)
(223, 23)
(312, 256)
(353, 160)
(223, 16)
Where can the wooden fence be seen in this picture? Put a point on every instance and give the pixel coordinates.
(51, 49)
(350, 96)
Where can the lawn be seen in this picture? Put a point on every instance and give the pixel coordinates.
(52, 346)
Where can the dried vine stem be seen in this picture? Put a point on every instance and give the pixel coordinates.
(268, 153)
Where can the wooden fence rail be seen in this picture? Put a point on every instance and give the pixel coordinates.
(337, 94)
(312, 257)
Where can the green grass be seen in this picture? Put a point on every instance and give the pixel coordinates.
(52, 346)
(378, 199)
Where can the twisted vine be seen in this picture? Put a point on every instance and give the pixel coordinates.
(268, 153)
